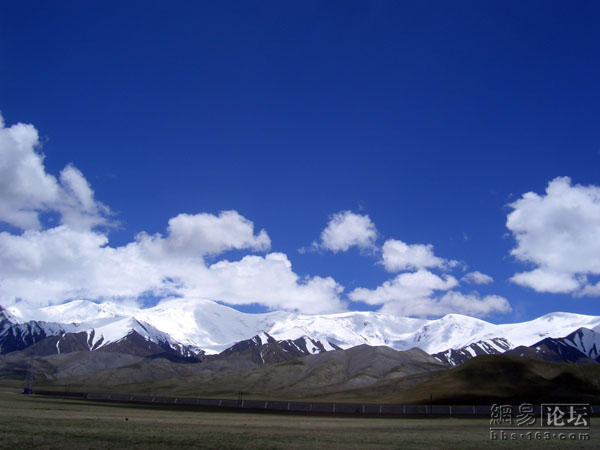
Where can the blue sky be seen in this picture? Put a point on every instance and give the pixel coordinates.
(430, 118)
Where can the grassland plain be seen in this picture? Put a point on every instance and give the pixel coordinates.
(40, 422)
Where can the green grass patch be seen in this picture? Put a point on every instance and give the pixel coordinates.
(39, 422)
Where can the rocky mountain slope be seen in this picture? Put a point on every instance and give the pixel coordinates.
(308, 376)
(455, 357)
(193, 328)
(579, 347)
(17, 335)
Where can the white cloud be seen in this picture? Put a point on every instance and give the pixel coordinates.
(590, 290)
(45, 265)
(417, 290)
(26, 189)
(62, 263)
(347, 229)
(209, 234)
(270, 281)
(51, 266)
(558, 233)
(399, 256)
(75, 260)
(456, 302)
(414, 294)
(477, 278)
(76, 202)
(404, 287)
(545, 280)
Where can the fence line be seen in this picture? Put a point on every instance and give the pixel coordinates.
(332, 408)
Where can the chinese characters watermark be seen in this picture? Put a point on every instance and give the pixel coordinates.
(544, 422)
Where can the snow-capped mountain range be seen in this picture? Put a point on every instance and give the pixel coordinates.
(580, 346)
(586, 341)
(196, 325)
(22, 330)
(456, 356)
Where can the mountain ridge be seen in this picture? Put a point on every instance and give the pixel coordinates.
(200, 326)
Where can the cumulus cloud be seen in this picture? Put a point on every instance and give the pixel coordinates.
(270, 281)
(591, 290)
(545, 280)
(346, 229)
(45, 265)
(559, 234)
(61, 263)
(209, 234)
(453, 302)
(75, 259)
(416, 290)
(398, 256)
(476, 277)
(26, 189)
(76, 203)
(405, 287)
(423, 293)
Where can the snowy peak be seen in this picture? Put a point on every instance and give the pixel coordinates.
(264, 349)
(461, 355)
(206, 324)
(552, 325)
(132, 336)
(118, 329)
(310, 346)
(552, 349)
(580, 346)
(347, 330)
(90, 327)
(451, 331)
(79, 311)
(17, 336)
(253, 344)
(6, 318)
(76, 311)
(7, 321)
(136, 341)
(586, 341)
(199, 325)
(262, 338)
